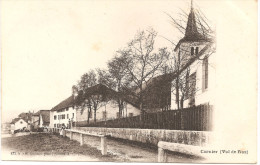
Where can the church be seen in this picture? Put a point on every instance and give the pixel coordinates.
(195, 55)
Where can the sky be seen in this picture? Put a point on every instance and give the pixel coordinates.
(47, 45)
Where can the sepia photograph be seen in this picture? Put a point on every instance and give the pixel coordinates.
(150, 81)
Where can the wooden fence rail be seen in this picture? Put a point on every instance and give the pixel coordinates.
(197, 118)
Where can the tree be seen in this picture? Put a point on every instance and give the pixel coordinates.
(116, 79)
(89, 93)
(142, 62)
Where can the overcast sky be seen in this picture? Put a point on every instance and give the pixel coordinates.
(48, 45)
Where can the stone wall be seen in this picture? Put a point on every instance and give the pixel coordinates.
(153, 136)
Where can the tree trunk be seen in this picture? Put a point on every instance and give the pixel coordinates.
(177, 93)
(89, 110)
(141, 105)
(95, 113)
(182, 101)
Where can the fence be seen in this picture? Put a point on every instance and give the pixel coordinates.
(197, 118)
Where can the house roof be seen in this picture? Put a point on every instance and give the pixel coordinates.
(38, 113)
(16, 119)
(64, 104)
(25, 116)
(103, 90)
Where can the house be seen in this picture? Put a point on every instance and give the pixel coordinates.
(196, 54)
(18, 123)
(35, 120)
(27, 117)
(108, 108)
(63, 114)
(69, 110)
(157, 93)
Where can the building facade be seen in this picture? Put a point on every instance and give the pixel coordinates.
(69, 111)
(63, 114)
(18, 123)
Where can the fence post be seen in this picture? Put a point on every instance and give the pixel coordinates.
(162, 157)
(81, 139)
(103, 145)
(70, 135)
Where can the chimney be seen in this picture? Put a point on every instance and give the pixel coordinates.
(74, 91)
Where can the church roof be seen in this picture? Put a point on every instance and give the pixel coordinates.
(191, 32)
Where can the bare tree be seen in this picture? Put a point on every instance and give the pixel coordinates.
(142, 62)
(90, 95)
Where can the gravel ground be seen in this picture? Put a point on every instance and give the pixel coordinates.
(52, 147)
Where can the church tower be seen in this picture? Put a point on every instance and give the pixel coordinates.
(192, 80)
(192, 41)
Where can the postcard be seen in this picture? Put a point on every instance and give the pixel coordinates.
(129, 81)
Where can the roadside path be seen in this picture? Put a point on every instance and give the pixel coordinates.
(52, 147)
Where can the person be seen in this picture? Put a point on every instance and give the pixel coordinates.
(62, 130)
(45, 129)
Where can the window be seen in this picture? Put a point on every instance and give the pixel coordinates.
(54, 125)
(131, 115)
(67, 116)
(63, 116)
(205, 74)
(21, 122)
(55, 117)
(104, 115)
(72, 115)
(197, 51)
(192, 51)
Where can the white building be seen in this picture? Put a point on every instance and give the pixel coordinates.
(18, 123)
(63, 113)
(67, 111)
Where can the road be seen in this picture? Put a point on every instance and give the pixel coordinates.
(53, 147)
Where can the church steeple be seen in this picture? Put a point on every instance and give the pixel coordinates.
(191, 32)
(191, 29)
